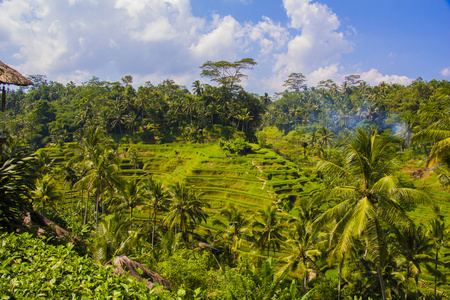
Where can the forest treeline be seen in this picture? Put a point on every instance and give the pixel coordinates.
(50, 112)
(350, 237)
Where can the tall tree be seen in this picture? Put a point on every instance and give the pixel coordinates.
(368, 195)
(439, 234)
(269, 229)
(414, 247)
(186, 210)
(156, 198)
(295, 82)
(227, 74)
(235, 226)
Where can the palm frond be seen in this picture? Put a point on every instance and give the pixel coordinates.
(333, 170)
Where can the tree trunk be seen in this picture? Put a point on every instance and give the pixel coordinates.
(407, 280)
(339, 280)
(436, 268)
(153, 228)
(96, 208)
(416, 277)
(380, 277)
(86, 207)
(192, 236)
(305, 277)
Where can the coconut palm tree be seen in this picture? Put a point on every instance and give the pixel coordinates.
(103, 174)
(131, 195)
(269, 229)
(367, 193)
(414, 247)
(112, 238)
(156, 198)
(439, 234)
(302, 250)
(236, 225)
(186, 210)
(45, 194)
(324, 137)
(437, 130)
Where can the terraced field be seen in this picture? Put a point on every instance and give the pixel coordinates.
(249, 181)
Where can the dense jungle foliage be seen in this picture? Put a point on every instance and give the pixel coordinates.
(337, 191)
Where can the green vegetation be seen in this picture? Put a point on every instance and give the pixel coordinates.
(327, 192)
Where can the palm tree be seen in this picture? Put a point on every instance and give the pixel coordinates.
(439, 234)
(324, 137)
(414, 246)
(302, 250)
(46, 193)
(132, 193)
(103, 173)
(437, 129)
(70, 177)
(236, 225)
(156, 198)
(269, 229)
(112, 238)
(186, 210)
(368, 194)
(134, 157)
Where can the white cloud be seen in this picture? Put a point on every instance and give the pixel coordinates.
(374, 77)
(324, 73)
(219, 44)
(316, 47)
(270, 36)
(318, 44)
(446, 72)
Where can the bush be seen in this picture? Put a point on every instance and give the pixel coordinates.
(238, 146)
(16, 180)
(30, 269)
(188, 273)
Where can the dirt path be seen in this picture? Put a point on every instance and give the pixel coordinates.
(264, 183)
(258, 167)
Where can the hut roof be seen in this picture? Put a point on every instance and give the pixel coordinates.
(124, 264)
(10, 76)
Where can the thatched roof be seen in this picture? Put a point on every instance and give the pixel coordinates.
(10, 76)
(124, 264)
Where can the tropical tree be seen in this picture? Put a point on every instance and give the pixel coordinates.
(414, 247)
(45, 195)
(367, 194)
(17, 178)
(295, 82)
(439, 234)
(324, 137)
(131, 195)
(112, 238)
(227, 74)
(236, 225)
(302, 249)
(186, 210)
(268, 230)
(103, 174)
(156, 198)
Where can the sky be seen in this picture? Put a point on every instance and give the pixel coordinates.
(153, 40)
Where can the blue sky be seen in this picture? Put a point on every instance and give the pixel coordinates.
(152, 40)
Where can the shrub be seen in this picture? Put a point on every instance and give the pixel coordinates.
(30, 268)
